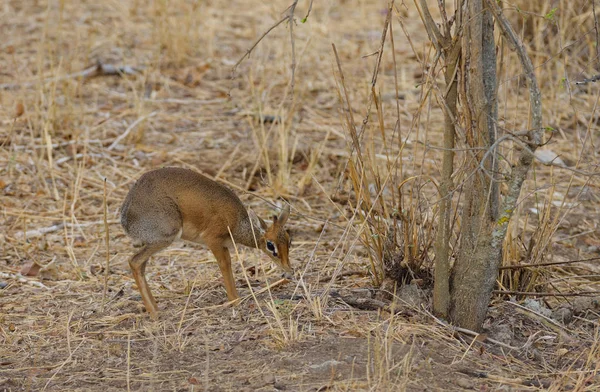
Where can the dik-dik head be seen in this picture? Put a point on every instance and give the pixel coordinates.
(274, 239)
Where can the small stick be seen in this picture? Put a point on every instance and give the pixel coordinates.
(474, 334)
(107, 233)
(363, 303)
(90, 72)
(48, 140)
(21, 279)
(543, 319)
(594, 78)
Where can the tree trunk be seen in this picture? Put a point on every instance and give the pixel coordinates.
(474, 276)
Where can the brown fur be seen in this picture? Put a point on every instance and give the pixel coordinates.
(171, 203)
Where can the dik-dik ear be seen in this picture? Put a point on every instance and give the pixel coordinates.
(258, 224)
(283, 217)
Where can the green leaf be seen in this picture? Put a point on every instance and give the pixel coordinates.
(303, 20)
(550, 15)
(563, 82)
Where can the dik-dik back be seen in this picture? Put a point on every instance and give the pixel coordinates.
(171, 203)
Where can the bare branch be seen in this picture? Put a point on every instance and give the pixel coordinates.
(289, 16)
(249, 51)
(432, 30)
(308, 12)
(291, 22)
(534, 137)
(594, 78)
(535, 97)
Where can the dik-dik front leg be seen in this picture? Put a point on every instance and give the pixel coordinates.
(224, 260)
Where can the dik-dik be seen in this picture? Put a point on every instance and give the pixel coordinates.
(172, 203)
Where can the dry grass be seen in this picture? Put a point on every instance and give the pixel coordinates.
(61, 137)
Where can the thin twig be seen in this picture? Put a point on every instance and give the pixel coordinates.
(546, 294)
(107, 238)
(289, 16)
(308, 12)
(51, 229)
(129, 128)
(255, 44)
(556, 327)
(471, 333)
(362, 303)
(520, 266)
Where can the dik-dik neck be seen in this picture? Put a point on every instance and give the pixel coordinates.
(243, 232)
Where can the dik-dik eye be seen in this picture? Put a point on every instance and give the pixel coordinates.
(271, 248)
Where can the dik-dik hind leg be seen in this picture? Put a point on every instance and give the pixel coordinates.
(138, 268)
(224, 261)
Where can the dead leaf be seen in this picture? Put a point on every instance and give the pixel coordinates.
(19, 109)
(30, 269)
(194, 75)
(80, 242)
(351, 333)
(96, 269)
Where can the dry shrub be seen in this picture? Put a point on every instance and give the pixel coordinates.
(395, 219)
(561, 39)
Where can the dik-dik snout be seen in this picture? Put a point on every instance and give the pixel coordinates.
(277, 242)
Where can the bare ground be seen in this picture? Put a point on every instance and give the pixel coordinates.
(62, 135)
